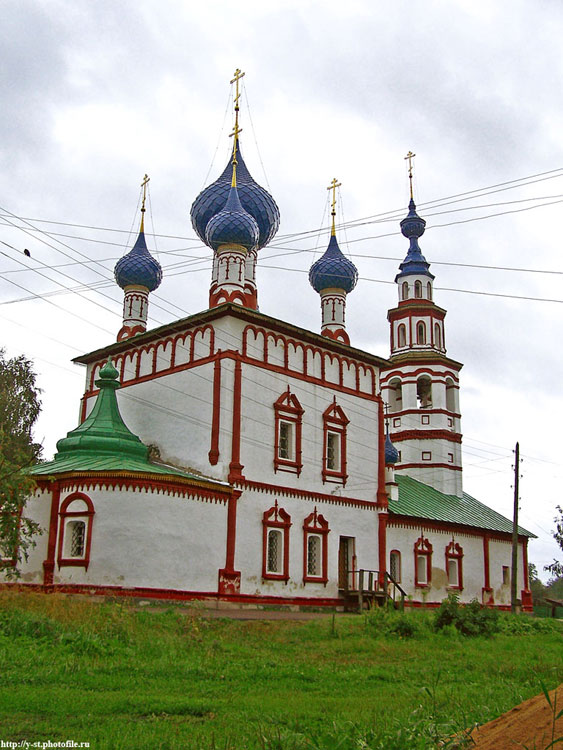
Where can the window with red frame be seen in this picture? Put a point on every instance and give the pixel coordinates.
(335, 425)
(422, 562)
(75, 531)
(276, 523)
(454, 569)
(287, 440)
(315, 548)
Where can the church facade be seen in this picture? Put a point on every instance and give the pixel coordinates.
(233, 456)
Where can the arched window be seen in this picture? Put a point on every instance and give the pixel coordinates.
(451, 396)
(395, 397)
(454, 558)
(422, 562)
(315, 548)
(75, 531)
(402, 335)
(424, 392)
(287, 436)
(429, 290)
(395, 565)
(418, 289)
(405, 290)
(420, 333)
(437, 336)
(275, 543)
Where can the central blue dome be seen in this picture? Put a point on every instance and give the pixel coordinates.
(232, 225)
(254, 199)
(138, 267)
(333, 270)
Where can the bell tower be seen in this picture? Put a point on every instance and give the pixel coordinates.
(421, 387)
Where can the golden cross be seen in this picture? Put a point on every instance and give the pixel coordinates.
(333, 185)
(144, 183)
(410, 156)
(236, 130)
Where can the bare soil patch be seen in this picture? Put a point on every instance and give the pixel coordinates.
(526, 725)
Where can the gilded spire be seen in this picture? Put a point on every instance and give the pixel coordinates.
(144, 183)
(410, 156)
(333, 185)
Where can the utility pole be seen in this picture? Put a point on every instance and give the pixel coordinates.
(514, 576)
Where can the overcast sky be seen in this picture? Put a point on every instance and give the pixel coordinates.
(96, 94)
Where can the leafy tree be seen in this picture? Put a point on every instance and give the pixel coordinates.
(19, 409)
(556, 567)
(536, 586)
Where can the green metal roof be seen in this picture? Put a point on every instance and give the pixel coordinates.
(104, 443)
(418, 500)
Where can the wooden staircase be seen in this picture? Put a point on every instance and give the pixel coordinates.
(364, 589)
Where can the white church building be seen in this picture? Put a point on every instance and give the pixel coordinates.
(218, 457)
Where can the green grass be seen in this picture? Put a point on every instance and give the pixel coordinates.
(119, 677)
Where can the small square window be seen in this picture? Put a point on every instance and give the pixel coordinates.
(397, 422)
(426, 456)
(505, 575)
(399, 458)
(450, 458)
(450, 422)
(425, 419)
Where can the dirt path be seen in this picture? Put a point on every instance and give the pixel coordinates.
(528, 725)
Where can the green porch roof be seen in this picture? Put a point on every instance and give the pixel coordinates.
(418, 500)
(104, 444)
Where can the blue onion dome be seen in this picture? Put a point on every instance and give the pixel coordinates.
(391, 453)
(333, 270)
(254, 199)
(138, 267)
(412, 227)
(232, 225)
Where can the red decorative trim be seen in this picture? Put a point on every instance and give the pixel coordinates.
(407, 412)
(315, 524)
(425, 524)
(382, 545)
(229, 578)
(486, 564)
(127, 332)
(423, 548)
(222, 296)
(337, 335)
(111, 480)
(276, 518)
(454, 551)
(426, 465)
(306, 351)
(178, 594)
(451, 437)
(306, 495)
(64, 513)
(288, 409)
(216, 416)
(235, 467)
(526, 594)
(335, 422)
(382, 499)
(49, 562)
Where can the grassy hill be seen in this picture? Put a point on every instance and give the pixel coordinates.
(119, 676)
